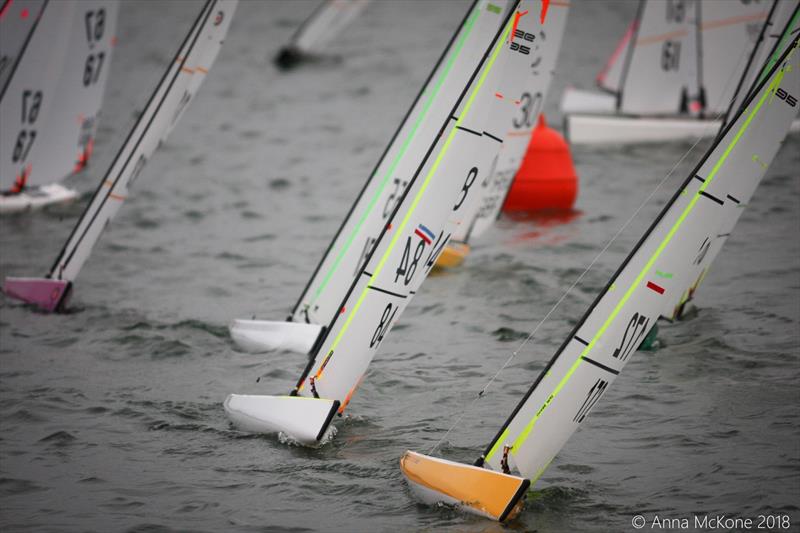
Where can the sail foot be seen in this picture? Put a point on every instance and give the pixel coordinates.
(48, 294)
(302, 419)
(477, 490)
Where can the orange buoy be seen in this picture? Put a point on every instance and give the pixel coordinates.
(546, 178)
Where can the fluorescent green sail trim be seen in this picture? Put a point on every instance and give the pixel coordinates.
(493, 8)
(459, 45)
(636, 283)
(421, 192)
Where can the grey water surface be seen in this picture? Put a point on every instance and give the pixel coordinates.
(111, 415)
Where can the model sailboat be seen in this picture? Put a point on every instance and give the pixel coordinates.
(309, 41)
(56, 59)
(494, 189)
(675, 71)
(172, 94)
(320, 301)
(416, 230)
(702, 211)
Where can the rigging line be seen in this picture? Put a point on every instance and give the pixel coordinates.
(568, 291)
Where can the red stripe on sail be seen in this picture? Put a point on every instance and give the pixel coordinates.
(652, 286)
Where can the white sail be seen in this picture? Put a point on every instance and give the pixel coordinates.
(783, 13)
(29, 92)
(160, 113)
(205, 53)
(660, 74)
(493, 191)
(688, 280)
(600, 345)
(17, 21)
(318, 30)
(424, 219)
(325, 23)
(321, 299)
(728, 31)
(418, 230)
(66, 142)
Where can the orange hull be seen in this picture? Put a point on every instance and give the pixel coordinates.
(452, 256)
(478, 490)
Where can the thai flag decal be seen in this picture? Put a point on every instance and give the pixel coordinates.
(424, 233)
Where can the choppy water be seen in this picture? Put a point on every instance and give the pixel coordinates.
(111, 415)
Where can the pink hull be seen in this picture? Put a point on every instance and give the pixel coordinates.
(45, 293)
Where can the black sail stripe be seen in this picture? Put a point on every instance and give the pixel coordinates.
(600, 365)
(711, 197)
(384, 291)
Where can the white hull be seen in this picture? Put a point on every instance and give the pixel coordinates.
(257, 336)
(36, 198)
(609, 129)
(579, 101)
(302, 419)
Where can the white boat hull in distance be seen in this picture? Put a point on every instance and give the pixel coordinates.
(258, 336)
(606, 129)
(580, 101)
(302, 419)
(36, 198)
(473, 489)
